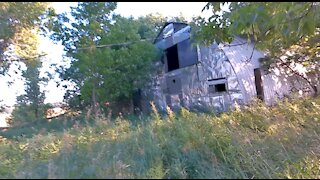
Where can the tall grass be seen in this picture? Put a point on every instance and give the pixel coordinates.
(252, 142)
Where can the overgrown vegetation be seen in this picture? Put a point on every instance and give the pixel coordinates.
(20, 22)
(288, 33)
(106, 50)
(252, 142)
(111, 55)
(30, 106)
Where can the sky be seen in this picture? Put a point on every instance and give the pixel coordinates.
(135, 9)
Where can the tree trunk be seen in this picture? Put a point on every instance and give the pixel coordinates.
(36, 112)
(94, 101)
(314, 87)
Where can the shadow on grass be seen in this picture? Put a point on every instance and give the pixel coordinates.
(45, 126)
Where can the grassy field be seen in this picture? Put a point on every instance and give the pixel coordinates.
(255, 142)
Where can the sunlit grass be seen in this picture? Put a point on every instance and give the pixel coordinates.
(252, 142)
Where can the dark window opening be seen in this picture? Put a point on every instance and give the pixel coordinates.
(172, 58)
(215, 88)
(217, 85)
(258, 82)
(220, 87)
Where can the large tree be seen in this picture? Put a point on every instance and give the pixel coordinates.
(289, 30)
(30, 106)
(110, 56)
(19, 25)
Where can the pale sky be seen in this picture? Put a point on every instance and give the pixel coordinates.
(136, 9)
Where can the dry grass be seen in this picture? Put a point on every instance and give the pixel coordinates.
(254, 142)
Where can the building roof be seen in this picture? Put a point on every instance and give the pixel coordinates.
(176, 26)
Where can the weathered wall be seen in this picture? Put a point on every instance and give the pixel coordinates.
(188, 86)
(232, 64)
(276, 84)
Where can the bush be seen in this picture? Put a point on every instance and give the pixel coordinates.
(22, 114)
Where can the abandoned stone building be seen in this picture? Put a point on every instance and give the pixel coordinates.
(212, 78)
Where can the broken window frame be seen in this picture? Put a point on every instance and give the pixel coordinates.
(178, 60)
(213, 83)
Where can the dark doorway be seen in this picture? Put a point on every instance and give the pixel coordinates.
(172, 58)
(137, 106)
(258, 82)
